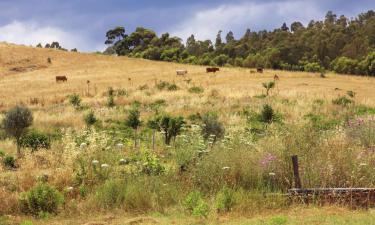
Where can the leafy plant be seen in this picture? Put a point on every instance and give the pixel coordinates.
(170, 126)
(195, 203)
(196, 90)
(41, 199)
(75, 100)
(225, 200)
(343, 101)
(212, 127)
(268, 86)
(90, 119)
(9, 162)
(267, 114)
(35, 140)
(15, 123)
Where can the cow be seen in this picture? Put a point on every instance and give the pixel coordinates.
(260, 70)
(181, 72)
(212, 69)
(275, 78)
(61, 79)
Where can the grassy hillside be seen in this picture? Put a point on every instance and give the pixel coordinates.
(327, 122)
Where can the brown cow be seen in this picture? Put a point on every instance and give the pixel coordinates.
(212, 69)
(61, 79)
(260, 70)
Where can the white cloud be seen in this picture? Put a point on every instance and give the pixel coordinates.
(30, 33)
(205, 24)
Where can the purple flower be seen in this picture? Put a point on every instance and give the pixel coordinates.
(267, 160)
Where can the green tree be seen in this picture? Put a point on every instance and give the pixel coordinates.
(268, 86)
(134, 122)
(16, 122)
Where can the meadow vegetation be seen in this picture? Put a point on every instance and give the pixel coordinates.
(142, 141)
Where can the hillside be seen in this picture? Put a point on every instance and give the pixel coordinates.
(26, 77)
(227, 159)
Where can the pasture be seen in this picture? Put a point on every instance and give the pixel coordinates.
(237, 178)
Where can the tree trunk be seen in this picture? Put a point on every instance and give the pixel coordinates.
(135, 139)
(153, 140)
(18, 148)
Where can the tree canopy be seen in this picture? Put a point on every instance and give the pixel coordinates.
(335, 43)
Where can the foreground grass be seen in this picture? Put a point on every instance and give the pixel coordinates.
(295, 216)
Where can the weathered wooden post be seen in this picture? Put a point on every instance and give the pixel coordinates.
(88, 87)
(297, 180)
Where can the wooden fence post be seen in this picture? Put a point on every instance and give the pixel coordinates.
(297, 180)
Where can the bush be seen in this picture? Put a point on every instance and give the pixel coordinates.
(196, 90)
(221, 60)
(195, 203)
(225, 200)
(267, 114)
(345, 65)
(343, 101)
(312, 67)
(161, 85)
(173, 87)
(35, 140)
(9, 162)
(211, 127)
(41, 199)
(111, 101)
(90, 119)
(15, 123)
(75, 100)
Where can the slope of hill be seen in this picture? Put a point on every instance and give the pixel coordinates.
(25, 75)
(328, 122)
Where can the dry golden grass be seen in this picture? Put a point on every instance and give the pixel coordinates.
(27, 78)
(36, 87)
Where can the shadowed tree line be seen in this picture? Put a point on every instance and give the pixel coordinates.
(337, 43)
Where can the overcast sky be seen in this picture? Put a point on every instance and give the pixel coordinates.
(83, 23)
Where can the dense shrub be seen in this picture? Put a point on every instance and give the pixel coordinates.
(35, 140)
(15, 123)
(211, 127)
(196, 90)
(225, 200)
(345, 65)
(313, 67)
(75, 100)
(90, 119)
(343, 101)
(267, 114)
(9, 162)
(195, 204)
(41, 199)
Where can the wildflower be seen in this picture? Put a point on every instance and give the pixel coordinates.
(83, 146)
(268, 159)
(123, 161)
(69, 189)
(119, 146)
(104, 165)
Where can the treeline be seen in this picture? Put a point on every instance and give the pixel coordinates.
(55, 45)
(339, 44)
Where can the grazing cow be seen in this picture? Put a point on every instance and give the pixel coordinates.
(212, 69)
(260, 70)
(61, 79)
(181, 72)
(275, 78)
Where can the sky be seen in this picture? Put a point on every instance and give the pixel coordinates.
(82, 24)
